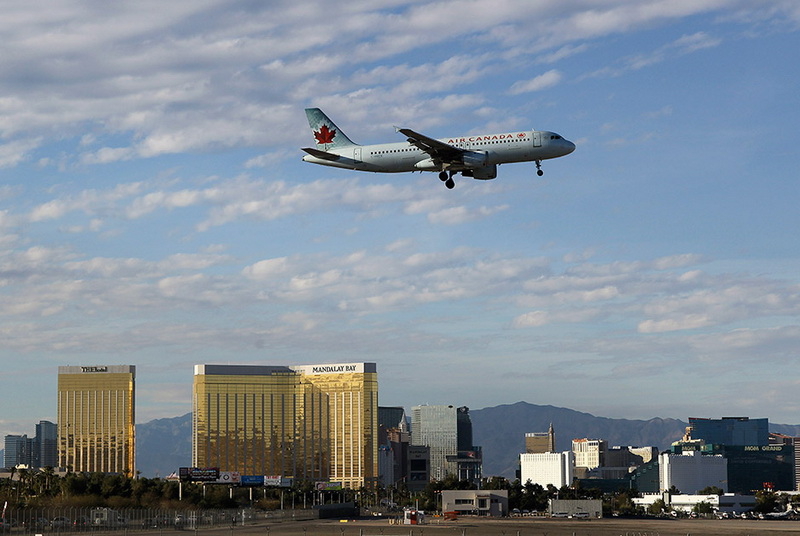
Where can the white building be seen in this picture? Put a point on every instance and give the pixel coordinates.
(556, 468)
(692, 471)
(731, 503)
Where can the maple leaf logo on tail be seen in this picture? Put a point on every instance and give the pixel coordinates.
(324, 135)
(327, 135)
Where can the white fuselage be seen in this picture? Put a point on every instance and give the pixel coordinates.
(491, 149)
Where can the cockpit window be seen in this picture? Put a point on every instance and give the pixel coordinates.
(555, 137)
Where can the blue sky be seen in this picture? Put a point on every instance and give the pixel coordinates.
(155, 211)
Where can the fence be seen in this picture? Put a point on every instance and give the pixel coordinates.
(71, 520)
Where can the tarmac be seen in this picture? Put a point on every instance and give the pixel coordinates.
(513, 527)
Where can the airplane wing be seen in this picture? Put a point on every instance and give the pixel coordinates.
(438, 150)
(321, 154)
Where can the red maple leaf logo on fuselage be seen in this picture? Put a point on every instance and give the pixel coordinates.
(325, 135)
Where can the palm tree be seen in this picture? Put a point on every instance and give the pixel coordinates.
(48, 473)
(24, 477)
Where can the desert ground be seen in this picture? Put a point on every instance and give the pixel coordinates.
(515, 527)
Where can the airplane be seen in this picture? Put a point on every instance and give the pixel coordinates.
(472, 156)
(780, 515)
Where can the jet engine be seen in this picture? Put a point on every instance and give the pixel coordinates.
(483, 173)
(475, 159)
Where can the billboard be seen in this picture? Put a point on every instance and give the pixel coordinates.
(328, 486)
(197, 474)
(278, 481)
(212, 475)
(229, 477)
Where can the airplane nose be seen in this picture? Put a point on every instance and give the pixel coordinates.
(569, 146)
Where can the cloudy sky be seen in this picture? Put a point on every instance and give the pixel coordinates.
(155, 211)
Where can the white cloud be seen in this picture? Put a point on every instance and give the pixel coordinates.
(543, 81)
(106, 155)
(462, 214)
(534, 319)
(689, 321)
(87, 201)
(267, 268)
(183, 257)
(696, 41)
(14, 152)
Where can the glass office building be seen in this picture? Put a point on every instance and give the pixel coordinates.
(17, 450)
(96, 424)
(447, 431)
(317, 422)
(45, 446)
(437, 428)
(730, 431)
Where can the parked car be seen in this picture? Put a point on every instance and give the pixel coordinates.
(60, 523)
(156, 522)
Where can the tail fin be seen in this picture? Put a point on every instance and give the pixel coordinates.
(326, 133)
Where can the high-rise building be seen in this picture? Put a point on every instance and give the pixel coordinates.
(352, 391)
(392, 417)
(589, 453)
(393, 441)
(435, 427)
(17, 450)
(447, 431)
(317, 422)
(96, 424)
(40, 451)
(647, 454)
(556, 468)
(259, 420)
(794, 442)
(729, 431)
(540, 442)
(45, 446)
(692, 471)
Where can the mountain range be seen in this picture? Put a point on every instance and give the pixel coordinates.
(164, 445)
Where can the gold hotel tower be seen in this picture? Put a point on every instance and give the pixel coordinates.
(315, 422)
(96, 424)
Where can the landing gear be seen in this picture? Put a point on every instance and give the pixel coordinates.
(447, 179)
(539, 168)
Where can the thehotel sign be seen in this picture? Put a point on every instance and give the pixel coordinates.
(94, 369)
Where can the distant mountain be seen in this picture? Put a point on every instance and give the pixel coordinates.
(501, 430)
(164, 445)
(785, 429)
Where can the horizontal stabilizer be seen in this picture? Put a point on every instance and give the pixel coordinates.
(321, 154)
